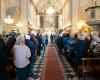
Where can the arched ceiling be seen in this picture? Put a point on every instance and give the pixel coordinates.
(42, 5)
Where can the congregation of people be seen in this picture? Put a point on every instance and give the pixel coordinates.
(21, 52)
(82, 51)
(24, 50)
(77, 46)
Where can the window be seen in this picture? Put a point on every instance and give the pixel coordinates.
(92, 14)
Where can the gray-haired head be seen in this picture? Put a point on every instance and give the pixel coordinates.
(20, 40)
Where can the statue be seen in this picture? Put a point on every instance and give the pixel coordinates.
(94, 2)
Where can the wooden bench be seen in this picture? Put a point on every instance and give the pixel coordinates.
(88, 67)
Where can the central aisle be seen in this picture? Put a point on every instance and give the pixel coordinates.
(52, 69)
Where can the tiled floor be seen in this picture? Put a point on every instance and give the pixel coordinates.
(70, 73)
(37, 68)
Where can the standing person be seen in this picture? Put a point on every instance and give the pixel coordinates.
(43, 42)
(38, 37)
(10, 43)
(32, 47)
(21, 57)
(60, 44)
(65, 40)
(51, 38)
(46, 39)
(3, 55)
(81, 49)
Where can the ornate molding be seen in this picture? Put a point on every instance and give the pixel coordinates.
(93, 7)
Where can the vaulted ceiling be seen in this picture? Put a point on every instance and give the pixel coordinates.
(42, 5)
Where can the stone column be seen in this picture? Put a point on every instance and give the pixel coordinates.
(2, 15)
(42, 21)
(74, 15)
(60, 21)
(38, 21)
(57, 21)
(24, 16)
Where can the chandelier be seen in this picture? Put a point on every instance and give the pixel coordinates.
(9, 20)
(50, 10)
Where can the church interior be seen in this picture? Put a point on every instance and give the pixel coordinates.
(49, 39)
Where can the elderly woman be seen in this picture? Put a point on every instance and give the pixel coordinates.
(21, 57)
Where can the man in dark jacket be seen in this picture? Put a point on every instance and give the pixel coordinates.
(10, 43)
(32, 47)
(3, 54)
(81, 49)
(60, 44)
(38, 37)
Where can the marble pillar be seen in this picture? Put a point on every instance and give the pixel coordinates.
(56, 22)
(2, 15)
(24, 16)
(42, 21)
(38, 21)
(60, 21)
(74, 15)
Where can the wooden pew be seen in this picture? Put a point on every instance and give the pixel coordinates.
(88, 67)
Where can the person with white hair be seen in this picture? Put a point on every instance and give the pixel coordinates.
(33, 39)
(21, 57)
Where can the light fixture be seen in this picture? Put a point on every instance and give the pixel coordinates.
(50, 11)
(80, 24)
(9, 20)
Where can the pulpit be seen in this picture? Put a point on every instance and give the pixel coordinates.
(93, 16)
